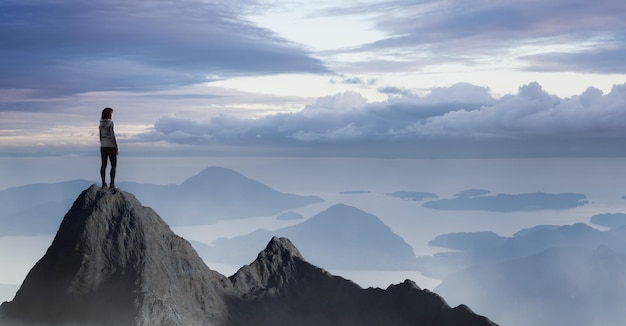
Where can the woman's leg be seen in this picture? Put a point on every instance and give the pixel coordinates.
(103, 165)
(113, 158)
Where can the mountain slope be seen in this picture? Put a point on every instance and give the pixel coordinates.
(115, 262)
(281, 288)
(341, 236)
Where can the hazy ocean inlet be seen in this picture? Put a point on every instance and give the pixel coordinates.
(589, 186)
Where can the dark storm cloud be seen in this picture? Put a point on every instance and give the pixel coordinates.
(460, 120)
(72, 46)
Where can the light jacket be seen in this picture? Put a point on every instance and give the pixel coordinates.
(107, 135)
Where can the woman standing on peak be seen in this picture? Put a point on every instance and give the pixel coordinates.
(108, 146)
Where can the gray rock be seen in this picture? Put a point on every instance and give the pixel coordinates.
(115, 262)
(281, 288)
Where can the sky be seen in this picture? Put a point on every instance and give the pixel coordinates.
(372, 78)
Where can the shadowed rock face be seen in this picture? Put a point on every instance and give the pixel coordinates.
(281, 288)
(115, 262)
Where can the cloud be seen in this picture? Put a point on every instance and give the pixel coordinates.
(440, 32)
(339, 118)
(461, 120)
(393, 90)
(534, 113)
(604, 59)
(73, 46)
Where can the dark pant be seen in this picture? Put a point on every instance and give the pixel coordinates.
(108, 154)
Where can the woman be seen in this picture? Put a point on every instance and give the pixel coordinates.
(108, 146)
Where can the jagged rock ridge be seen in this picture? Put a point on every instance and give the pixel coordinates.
(115, 262)
(281, 288)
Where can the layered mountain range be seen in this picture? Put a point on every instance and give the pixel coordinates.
(115, 262)
(532, 277)
(214, 194)
(340, 237)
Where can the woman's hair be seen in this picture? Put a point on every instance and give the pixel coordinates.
(106, 113)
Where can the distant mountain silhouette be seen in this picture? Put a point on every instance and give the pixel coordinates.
(341, 236)
(214, 194)
(413, 195)
(466, 241)
(478, 200)
(543, 275)
(611, 220)
(486, 247)
(37, 208)
(472, 193)
(116, 262)
(286, 216)
(542, 227)
(558, 286)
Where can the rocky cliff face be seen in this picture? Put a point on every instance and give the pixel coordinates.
(281, 288)
(115, 262)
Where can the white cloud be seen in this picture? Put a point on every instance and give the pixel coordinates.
(533, 113)
(231, 72)
(530, 117)
(526, 35)
(340, 102)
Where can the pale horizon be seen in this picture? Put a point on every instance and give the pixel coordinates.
(468, 104)
(305, 79)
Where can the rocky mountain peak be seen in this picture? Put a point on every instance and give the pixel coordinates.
(282, 248)
(116, 262)
(275, 267)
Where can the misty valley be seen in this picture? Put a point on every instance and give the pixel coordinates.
(561, 250)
